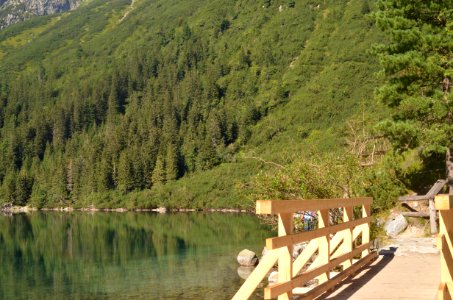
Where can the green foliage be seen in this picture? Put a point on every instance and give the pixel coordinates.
(417, 67)
(158, 107)
(331, 176)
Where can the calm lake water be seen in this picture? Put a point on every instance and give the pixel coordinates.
(124, 255)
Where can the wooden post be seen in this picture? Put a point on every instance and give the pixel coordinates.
(348, 215)
(285, 227)
(366, 212)
(323, 245)
(444, 203)
(432, 216)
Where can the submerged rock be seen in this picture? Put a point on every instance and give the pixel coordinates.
(273, 277)
(244, 272)
(247, 258)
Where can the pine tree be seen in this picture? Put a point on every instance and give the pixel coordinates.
(172, 166)
(417, 68)
(158, 176)
(24, 186)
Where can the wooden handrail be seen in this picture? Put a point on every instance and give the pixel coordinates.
(444, 203)
(334, 251)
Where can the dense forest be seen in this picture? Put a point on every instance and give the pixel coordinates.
(182, 103)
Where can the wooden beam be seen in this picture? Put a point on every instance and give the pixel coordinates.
(417, 214)
(346, 247)
(415, 198)
(283, 241)
(323, 244)
(297, 281)
(285, 227)
(443, 292)
(435, 189)
(252, 282)
(366, 212)
(432, 216)
(321, 289)
(304, 257)
(287, 206)
(444, 202)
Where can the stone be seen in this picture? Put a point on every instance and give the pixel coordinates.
(396, 224)
(273, 277)
(298, 248)
(247, 258)
(244, 272)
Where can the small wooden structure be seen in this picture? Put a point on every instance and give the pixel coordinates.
(432, 215)
(336, 246)
(444, 203)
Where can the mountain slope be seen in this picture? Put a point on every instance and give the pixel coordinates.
(166, 102)
(15, 11)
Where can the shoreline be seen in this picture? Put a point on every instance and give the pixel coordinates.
(161, 210)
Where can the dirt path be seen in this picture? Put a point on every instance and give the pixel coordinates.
(409, 268)
(130, 8)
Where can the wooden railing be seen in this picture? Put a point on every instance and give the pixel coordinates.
(334, 246)
(444, 203)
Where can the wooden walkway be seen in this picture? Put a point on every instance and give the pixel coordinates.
(406, 271)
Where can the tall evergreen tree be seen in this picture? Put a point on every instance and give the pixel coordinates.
(417, 67)
(158, 176)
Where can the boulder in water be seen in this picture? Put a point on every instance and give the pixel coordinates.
(247, 258)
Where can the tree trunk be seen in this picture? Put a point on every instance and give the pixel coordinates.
(449, 166)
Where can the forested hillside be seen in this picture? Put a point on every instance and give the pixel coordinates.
(177, 103)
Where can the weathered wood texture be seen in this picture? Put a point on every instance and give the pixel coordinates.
(444, 203)
(335, 246)
(435, 189)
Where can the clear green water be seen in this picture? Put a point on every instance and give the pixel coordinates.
(124, 255)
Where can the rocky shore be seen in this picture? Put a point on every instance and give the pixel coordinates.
(12, 209)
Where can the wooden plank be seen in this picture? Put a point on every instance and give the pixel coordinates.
(446, 260)
(252, 282)
(321, 289)
(277, 242)
(287, 206)
(335, 241)
(444, 202)
(323, 244)
(285, 227)
(366, 212)
(346, 247)
(415, 198)
(437, 187)
(297, 281)
(303, 258)
(414, 214)
(442, 292)
(432, 216)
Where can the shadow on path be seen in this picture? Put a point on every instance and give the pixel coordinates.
(355, 283)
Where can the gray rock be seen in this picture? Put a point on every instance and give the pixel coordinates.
(247, 258)
(298, 248)
(14, 11)
(395, 225)
(273, 277)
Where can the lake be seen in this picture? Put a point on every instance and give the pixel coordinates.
(79, 255)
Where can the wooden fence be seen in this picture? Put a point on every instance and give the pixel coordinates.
(444, 203)
(334, 246)
(435, 189)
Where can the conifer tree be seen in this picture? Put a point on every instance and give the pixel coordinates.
(158, 176)
(172, 163)
(417, 68)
